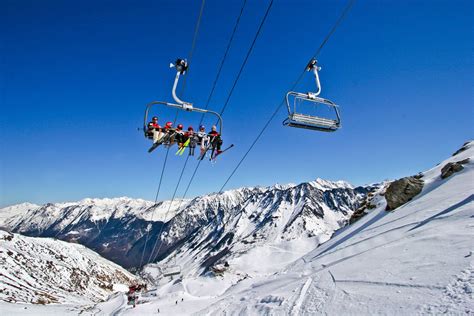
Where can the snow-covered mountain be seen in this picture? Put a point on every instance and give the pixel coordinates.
(9, 215)
(133, 232)
(44, 271)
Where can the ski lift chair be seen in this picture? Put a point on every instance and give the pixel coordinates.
(181, 66)
(306, 120)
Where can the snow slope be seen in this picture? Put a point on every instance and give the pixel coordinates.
(44, 271)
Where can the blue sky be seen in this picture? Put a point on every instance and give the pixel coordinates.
(76, 76)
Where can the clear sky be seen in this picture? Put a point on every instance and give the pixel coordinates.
(76, 76)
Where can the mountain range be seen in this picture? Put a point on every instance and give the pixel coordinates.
(133, 232)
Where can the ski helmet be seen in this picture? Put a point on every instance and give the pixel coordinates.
(180, 126)
(155, 118)
(190, 128)
(169, 124)
(202, 127)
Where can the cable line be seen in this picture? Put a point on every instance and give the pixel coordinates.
(224, 57)
(277, 109)
(228, 98)
(247, 57)
(191, 53)
(225, 105)
(236, 79)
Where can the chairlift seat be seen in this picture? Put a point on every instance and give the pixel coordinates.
(307, 121)
(312, 122)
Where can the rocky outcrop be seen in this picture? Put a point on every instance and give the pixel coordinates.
(452, 167)
(463, 148)
(401, 191)
(365, 206)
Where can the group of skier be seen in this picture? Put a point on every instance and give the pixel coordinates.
(168, 135)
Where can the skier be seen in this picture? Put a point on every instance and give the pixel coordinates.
(192, 140)
(154, 130)
(216, 141)
(180, 135)
(202, 139)
(149, 131)
(169, 134)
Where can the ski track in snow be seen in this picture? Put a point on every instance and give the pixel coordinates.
(297, 306)
(122, 304)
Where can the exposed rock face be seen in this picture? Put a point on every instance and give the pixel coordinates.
(365, 205)
(401, 191)
(463, 148)
(452, 167)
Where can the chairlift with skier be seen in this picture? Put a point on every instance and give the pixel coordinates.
(181, 66)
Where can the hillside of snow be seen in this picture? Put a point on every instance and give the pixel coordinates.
(45, 271)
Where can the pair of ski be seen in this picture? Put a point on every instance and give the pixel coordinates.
(182, 148)
(214, 153)
(180, 151)
(164, 139)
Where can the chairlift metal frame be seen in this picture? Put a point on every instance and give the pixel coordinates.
(181, 68)
(311, 122)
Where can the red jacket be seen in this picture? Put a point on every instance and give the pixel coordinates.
(213, 133)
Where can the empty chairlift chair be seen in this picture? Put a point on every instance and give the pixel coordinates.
(309, 111)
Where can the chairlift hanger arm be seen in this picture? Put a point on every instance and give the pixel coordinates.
(313, 66)
(181, 66)
(185, 105)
